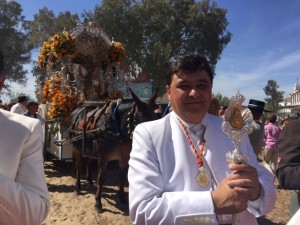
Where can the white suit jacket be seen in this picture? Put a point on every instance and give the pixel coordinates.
(24, 196)
(163, 169)
(18, 108)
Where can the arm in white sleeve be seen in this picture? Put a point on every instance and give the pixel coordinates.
(26, 200)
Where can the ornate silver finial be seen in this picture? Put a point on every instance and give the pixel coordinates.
(237, 98)
(237, 124)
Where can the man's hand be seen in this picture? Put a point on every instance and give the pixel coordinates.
(234, 192)
(227, 200)
(244, 180)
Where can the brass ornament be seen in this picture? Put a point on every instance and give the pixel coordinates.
(203, 177)
(234, 117)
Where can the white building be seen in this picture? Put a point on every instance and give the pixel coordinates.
(291, 104)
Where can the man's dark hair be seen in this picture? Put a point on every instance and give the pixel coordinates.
(272, 118)
(30, 103)
(22, 98)
(189, 63)
(1, 64)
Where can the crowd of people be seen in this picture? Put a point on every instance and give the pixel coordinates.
(178, 173)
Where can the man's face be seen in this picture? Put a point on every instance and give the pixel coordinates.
(190, 95)
(33, 109)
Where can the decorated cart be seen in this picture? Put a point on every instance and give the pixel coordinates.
(81, 66)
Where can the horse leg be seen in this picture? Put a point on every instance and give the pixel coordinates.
(122, 181)
(77, 160)
(100, 181)
(124, 151)
(89, 176)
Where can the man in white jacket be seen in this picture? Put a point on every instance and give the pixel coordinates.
(178, 172)
(24, 196)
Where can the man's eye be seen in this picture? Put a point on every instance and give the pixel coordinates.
(183, 86)
(202, 86)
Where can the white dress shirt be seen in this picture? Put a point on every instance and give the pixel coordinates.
(18, 108)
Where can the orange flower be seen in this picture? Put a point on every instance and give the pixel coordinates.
(59, 45)
(115, 53)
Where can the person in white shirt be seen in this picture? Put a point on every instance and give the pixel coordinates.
(24, 196)
(21, 106)
(178, 172)
(32, 112)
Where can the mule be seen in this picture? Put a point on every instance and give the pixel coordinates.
(105, 132)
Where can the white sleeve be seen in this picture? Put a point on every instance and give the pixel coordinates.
(26, 200)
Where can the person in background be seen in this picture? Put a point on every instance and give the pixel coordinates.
(214, 107)
(272, 132)
(178, 172)
(222, 111)
(257, 136)
(288, 167)
(21, 106)
(32, 108)
(24, 196)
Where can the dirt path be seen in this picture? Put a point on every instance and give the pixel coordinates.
(67, 208)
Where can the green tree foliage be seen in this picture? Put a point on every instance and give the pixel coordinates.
(154, 32)
(44, 25)
(14, 42)
(275, 96)
(223, 100)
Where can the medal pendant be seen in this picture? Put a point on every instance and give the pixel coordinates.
(203, 177)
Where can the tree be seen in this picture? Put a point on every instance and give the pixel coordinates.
(154, 32)
(14, 42)
(276, 96)
(223, 100)
(45, 25)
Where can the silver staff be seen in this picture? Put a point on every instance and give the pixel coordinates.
(237, 124)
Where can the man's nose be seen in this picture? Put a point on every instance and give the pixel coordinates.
(194, 92)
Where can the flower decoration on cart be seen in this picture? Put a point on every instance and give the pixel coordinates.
(57, 47)
(83, 65)
(115, 53)
(63, 102)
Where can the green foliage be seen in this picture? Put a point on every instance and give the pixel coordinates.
(275, 96)
(223, 100)
(14, 42)
(44, 25)
(153, 32)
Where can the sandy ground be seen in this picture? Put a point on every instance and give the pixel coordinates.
(68, 208)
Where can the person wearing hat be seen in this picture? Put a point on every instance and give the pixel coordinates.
(32, 108)
(258, 134)
(24, 195)
(21, 106)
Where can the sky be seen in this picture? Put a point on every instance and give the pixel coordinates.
(265, 44)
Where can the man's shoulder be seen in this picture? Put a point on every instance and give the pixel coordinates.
(18, 118)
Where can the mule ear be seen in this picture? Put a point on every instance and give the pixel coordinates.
(153, 97)
(136, 99)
